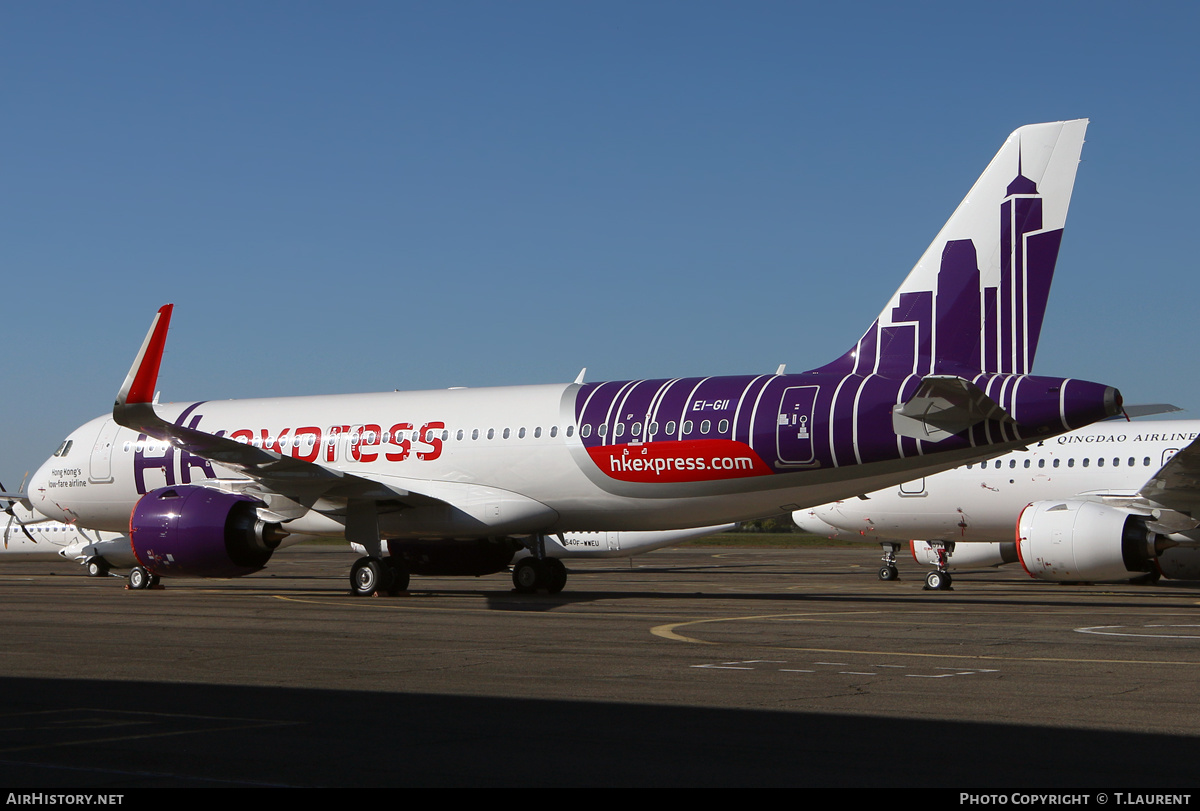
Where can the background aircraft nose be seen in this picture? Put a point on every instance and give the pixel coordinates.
(38, 489)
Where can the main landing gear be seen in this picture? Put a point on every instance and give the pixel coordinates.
(888, 570)
(539, 572)
(939, 580)
(140, 579)
(531, 575)
(371, 575)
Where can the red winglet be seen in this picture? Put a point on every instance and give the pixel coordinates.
(143, 376)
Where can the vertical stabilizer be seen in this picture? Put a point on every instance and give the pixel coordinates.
(975, 300)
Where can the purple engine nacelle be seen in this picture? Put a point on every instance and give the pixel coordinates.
(192, 531)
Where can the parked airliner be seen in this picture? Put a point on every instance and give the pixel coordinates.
(1112, 501)
(941, 377)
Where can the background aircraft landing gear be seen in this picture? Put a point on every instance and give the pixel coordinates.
(97, 567)
(937, 581)
(940, 580)
(888, 570)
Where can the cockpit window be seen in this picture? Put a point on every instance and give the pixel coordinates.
(64, 448)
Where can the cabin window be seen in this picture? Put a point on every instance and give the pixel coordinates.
(636, 430)
(1012, 463)
(1100, 462)
(1041, 462)
(491, 434)
(1026, 463)
(1146, 462)
(670, 427)
(602, 430)
(459, 435)
(537, 432)
(723, 427)
(705, 425)
(687, 426)
(520, 433)
(652, 429)
(584, 431)
(507, 432)
(1056, 461)
(1086, 461)
(620, 430)
(1131, 461)
(570, 430)
(1071, 462)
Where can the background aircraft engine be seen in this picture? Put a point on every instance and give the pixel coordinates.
(196, 532)
(455, 558)
(1082, 540)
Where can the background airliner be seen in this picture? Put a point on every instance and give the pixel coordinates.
(1111, 501)
(469, 476)
(29, 536)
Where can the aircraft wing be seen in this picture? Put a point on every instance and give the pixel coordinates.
(1176, 485)
(283, 475)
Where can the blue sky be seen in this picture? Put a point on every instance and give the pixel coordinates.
(369, 196)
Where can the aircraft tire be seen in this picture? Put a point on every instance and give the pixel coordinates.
(369, 575)
(400, 576)
(556, 575)
(937, 581)
(139, 578)
(97, 567)
(528, 575)
(889, 573)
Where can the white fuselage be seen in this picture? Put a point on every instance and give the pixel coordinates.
(509, 459)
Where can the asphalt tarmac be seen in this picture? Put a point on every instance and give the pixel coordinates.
(689, 667)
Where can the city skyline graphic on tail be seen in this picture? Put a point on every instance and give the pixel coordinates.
(940, 377)
(971, 309)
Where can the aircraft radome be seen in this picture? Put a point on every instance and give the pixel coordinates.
(468, 476)
(1112, 501)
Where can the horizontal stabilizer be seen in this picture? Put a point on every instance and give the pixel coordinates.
(943, 406)
(1147, 410)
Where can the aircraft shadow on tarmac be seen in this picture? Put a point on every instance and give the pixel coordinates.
(74, 733)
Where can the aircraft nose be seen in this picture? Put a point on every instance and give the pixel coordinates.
(38, 489)
(808, 521)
